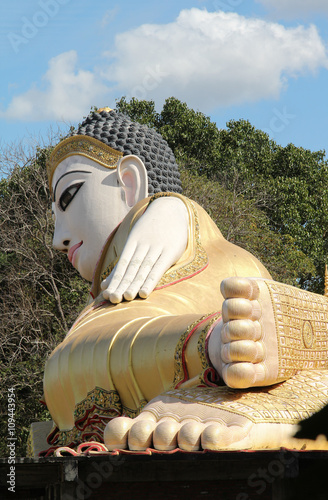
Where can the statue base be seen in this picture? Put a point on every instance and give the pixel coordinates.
(243, 475)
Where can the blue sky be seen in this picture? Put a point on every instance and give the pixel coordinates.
(261, 60)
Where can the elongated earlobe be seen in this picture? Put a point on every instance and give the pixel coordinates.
(132, 177)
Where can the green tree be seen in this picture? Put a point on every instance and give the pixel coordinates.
(242, 223)
(191, 135)
(140, 111)
(288, 184)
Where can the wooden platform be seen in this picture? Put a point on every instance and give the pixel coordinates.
(264, 475)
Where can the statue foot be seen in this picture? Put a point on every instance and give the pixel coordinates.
(269, 332)
(166, 424)
(224, 419)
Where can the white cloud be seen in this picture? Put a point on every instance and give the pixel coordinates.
(65, 94)
(295, 8)
(213, 59)
(206, 59)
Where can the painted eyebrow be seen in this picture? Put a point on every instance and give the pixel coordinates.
(67, 173)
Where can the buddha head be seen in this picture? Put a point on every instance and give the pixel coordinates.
(97, 175)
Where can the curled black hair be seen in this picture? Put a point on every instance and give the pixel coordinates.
(131, 138)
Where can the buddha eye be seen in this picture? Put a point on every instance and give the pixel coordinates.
(68, 195)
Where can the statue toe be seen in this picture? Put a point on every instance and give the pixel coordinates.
(116, 433)
(165, 435)
(141, 435)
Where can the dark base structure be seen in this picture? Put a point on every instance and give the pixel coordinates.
(264, 475)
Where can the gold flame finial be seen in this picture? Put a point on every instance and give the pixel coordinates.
(104, 109)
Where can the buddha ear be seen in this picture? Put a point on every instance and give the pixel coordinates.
(132, 177)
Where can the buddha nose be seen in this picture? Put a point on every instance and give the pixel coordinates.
(61, 241)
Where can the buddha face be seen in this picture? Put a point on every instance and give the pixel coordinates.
(88, 204)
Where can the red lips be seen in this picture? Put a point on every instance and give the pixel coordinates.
(72, 251)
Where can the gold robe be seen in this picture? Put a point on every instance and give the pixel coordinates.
(117, 357)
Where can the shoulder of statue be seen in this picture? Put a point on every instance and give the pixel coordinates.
(139, 209)
(169, 194)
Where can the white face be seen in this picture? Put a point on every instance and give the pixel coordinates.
(88, 205)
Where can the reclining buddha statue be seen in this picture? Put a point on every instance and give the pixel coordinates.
(186, 342)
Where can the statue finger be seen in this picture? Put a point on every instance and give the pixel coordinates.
(141, 277)
(134, 275)
(154, 277)
(116, 296)
(107, 281)
(133, 289)
(130, 251)
(110, 284)
(124, 271)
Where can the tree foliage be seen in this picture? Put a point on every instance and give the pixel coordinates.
(242, 223)
(288, 184)
(191, 135)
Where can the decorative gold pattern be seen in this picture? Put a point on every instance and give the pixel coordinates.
(84, 146)
(288, 402)
(307, 333)
(75, 436)
(208, 376)
(180, 369)
(199, 261)
(91, 416)
(179, 372)
(301, 326)
(100, 399)
(201, 345)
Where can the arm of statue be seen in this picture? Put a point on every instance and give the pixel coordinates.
(155, 243)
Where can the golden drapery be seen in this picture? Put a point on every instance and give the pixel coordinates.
(117, 357)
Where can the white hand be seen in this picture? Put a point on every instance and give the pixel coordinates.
(155, 243)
